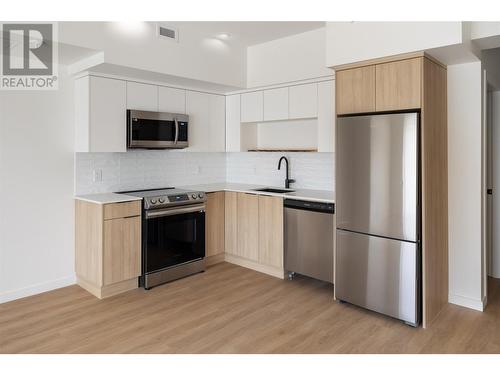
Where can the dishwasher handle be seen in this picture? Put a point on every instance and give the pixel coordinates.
(323, 207)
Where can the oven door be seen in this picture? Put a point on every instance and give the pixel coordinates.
(156, 130)
(173, 236)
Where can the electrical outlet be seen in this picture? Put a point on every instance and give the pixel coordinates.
(97, 175)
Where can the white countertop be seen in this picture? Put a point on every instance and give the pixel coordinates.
(104, 198)
(300, 194)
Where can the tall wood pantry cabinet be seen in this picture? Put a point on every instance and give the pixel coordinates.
(412, 82)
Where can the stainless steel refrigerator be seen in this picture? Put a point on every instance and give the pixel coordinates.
(377, 261)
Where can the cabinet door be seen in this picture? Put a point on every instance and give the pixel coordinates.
(271, 231)
(248, 226)
(398, 85)
(214, 227)
(197, 109)
(82, 113)
(108, 115)
(231, 222)
(355, 90)
(142, 97)
(217, 123)
(122, 249)
(206, 121)
(304, 101)
(233, 124)
(252, 106)
(276, 104)
(326, 116)
(171, 100)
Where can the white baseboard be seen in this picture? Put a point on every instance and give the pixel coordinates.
(468, 302)
(37, 288)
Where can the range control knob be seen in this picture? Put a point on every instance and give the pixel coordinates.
(153, 201)
(194, 196)
(161, 200)
(200, 195)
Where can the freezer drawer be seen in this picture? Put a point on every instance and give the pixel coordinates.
(379, 274)
(309, 231)
(377, 175)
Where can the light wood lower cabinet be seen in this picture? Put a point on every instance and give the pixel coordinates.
(271, 231)
(231, 222)
(108, 246)
(214, 227)
(254, 232)
(122, 244)
(248, 226)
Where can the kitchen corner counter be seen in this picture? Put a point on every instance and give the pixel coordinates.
(105, 198)
(299, 194)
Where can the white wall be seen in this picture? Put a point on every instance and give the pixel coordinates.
(348, 42)
(482, 29)
(464, 181)
(293, 58)
(495, 144)
(194, 57)
(36, 190)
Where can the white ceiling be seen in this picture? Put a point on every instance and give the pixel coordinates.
(247, 33)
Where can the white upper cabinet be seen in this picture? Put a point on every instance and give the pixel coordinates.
(206, 121)
(252, 106)
(233, 123)
(217, 123)
(276, 104)
(326, 116)
(100, 114)
(142, 96)
(303, 101)
(171, 100)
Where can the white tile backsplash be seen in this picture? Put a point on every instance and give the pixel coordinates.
(150, 169)
(311, 170)
(146, 169)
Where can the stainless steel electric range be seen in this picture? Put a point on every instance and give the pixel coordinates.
(173, 234)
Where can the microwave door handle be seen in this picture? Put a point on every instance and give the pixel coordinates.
(176, 130)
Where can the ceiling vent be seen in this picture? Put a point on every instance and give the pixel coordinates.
(167, 32)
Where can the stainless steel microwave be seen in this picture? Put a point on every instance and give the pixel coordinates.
(158, 130)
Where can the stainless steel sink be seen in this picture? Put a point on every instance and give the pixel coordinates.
(274, 190)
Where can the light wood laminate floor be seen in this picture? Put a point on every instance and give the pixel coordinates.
(230, 309)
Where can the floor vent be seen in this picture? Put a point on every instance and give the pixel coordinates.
(168, 33)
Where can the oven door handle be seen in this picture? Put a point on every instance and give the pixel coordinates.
(175, 211)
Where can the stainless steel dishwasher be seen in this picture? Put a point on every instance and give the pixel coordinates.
(309, 239)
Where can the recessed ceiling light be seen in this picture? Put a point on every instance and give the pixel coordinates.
(223, 36)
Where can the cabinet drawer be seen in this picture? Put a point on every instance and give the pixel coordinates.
(118, 210)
